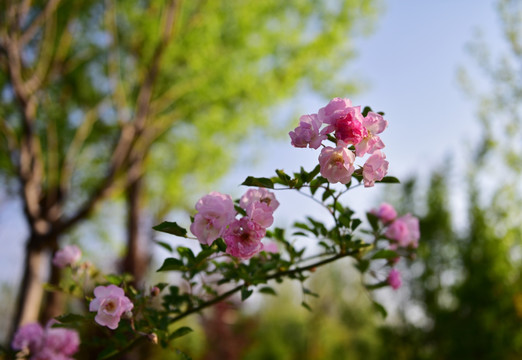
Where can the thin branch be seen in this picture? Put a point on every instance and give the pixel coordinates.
(270, 277)
(31, 30)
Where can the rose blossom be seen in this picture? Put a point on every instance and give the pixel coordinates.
(260, 213)
(261, 195)
(344, 119)
(374, 124)
(394, 279)
(67, 256)
(28, 336)
(375, 168)
(243, 238)
(307, 133)
(111, 303)
(215, 212)
(337, 164)
(404, 230)
(48, 343)
(386, 213)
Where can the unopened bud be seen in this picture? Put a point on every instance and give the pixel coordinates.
(127, 314)
(154, 291)
(153, 338)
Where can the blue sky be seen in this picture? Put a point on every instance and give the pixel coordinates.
(409, 66)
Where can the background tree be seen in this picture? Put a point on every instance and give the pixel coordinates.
(140, 99)
(470, 284)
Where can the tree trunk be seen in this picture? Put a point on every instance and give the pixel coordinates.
(30, 292)
(54, 301)
(137, 256)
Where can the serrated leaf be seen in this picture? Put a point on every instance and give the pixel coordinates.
(267, 290)
(171, 228)
(182, 331)
(389, 180)
(385, 254)
(327, 193)
(171, 264)
(164, 245)
(245, 293)
(186, 253)
(260, 182)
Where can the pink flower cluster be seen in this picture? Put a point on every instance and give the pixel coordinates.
(111, 303)
(46, 343)
(216, 217)
(401, 231)
(67, 256)
(349, 127)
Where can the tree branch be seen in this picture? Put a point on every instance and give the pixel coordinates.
(270, 277)
(31, 30)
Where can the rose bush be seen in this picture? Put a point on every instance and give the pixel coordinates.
(239, 251)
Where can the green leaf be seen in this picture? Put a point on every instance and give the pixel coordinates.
(380, 309)
(164, 245)
(285, 178)
(182, 331)
(306, 306)
(260, 182)
(366, 110)
(245, 293)
(107, 353)
(267, 290)
(373, 220)
(310, 292)
(389, 180)
(222, 246)
(327, 193)
(70, 318)
(355, 224)
(185, 252)
(171, 264)
(114, 279)
(171, 228)
(385, 254)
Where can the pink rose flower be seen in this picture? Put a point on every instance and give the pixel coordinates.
(386, 213)
(67, 256)
(375, 168)
(337, 164)
(261, 195)
(28, 336)
(243, 238)
(111, 303)
(404, 230)
(48, 343)
(271, 247)
(374, 124)
(61, 341)
(394, 279)
(307, 133)
(260, 213)
(344, 119)
(215, 212)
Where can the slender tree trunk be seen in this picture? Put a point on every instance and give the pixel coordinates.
(30, 292)
(54, 303)
(137, 256)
